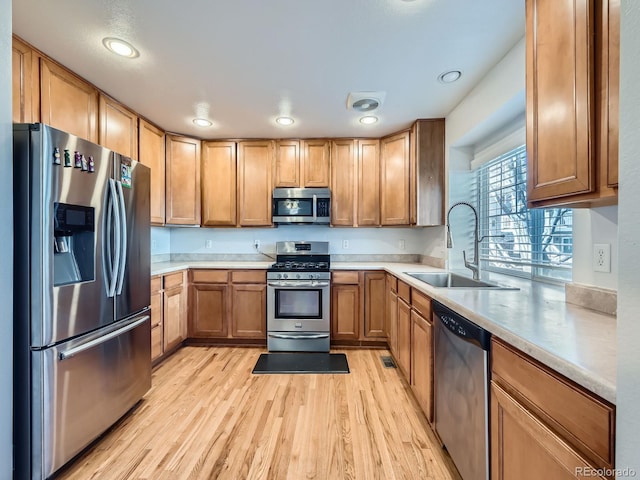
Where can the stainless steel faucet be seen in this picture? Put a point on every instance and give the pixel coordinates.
(475, 265)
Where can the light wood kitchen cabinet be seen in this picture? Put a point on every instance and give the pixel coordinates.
(174, 305)
(543, 425)
(392, 314)
(374, 305)
(345, 305)
(426, 172)
(569, 45)
(368, 195)
(118, 127)
(227, 304)
(208, 303)
(182, 180)
(152, 154)
(422, 361)
(219, 180)
(404, 330)
(287, 164)
(25, 84)
(157, 334)
(315, 159)
(394, 179)
(343, 182)
(255, 164)
(249, 304)
(67, 102)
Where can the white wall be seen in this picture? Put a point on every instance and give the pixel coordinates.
(628, 391)
(6, 252)
(240, 240)
(495, 104)
(596, 225)
(160, 240)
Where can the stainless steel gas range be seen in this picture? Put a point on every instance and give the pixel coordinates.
(299, 298)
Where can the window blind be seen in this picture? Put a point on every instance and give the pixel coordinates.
(521, 241)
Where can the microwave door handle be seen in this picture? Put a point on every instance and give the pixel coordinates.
(123, 232)
(315, 208)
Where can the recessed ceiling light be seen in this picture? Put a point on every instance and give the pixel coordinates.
(369, 120)
(286, 121)
(120, 47)
(202, 122)
(450, 76)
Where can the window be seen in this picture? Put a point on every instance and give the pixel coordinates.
(534, 243)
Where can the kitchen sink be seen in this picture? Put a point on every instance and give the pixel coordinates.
(453, 280)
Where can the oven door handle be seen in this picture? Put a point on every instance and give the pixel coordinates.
(313, 336)
(298, 284)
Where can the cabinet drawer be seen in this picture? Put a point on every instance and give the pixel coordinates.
(209, 276)
(421, 303)
(156, 284)
(173, 280)
(249, 276)
(584, 420)
(345, 277)
(392, 283)
(404, 291)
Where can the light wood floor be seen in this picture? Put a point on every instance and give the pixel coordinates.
(207, 417)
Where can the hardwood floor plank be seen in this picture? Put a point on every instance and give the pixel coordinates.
(207, 417)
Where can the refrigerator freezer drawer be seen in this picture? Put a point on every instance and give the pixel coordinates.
(86, 385)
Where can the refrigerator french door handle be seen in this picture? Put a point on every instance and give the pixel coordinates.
(111, 291)
(100, 340)
(123, 232)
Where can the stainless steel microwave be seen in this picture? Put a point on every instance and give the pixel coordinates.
(311, 206)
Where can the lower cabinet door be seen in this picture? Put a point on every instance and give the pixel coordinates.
(422, 363)
(156, 342)
(404, 338)
(249, 311)
(523, 447)
(173, 317)
(345, 312)
(208, 311)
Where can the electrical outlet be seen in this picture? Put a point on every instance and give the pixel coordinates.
(345, 243)
(401, 244)
(256, 244)
(602, 257)
(208, 244)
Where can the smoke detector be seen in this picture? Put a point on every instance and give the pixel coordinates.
(365, 101)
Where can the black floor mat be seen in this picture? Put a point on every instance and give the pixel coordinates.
(302, 363)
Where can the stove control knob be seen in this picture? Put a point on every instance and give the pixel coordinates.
(298, 275)
(279, 276)
(285, 275)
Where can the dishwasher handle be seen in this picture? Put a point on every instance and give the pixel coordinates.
(461, 327)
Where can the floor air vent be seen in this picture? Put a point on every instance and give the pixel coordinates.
(388, 362)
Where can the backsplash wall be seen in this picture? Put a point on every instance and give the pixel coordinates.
(361, 241)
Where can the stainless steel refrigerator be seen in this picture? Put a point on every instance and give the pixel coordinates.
(82, 294)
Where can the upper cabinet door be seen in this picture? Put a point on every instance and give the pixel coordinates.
(427, 172)
(610, 50)
(368, 182)
(343, 182)
(218, 183)
(183, 180)
(255, 164)
(394, 180)
(287, 165)
(316, 163)
(118, 128)
(67, 102)
(560, 98)
(25, 85)
(152, 147)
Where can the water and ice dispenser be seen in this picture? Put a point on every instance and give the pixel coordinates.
(73, 244)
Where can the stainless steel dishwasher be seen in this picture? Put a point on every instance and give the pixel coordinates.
(461, 391)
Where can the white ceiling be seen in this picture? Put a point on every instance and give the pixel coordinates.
(241, 63)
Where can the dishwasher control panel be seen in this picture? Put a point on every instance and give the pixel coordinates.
(461, 326)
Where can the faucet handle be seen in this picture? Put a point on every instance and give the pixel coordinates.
(464, 257)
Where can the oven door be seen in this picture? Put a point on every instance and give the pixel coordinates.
(298, 305)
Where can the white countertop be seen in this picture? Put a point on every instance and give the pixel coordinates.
(576, 342)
